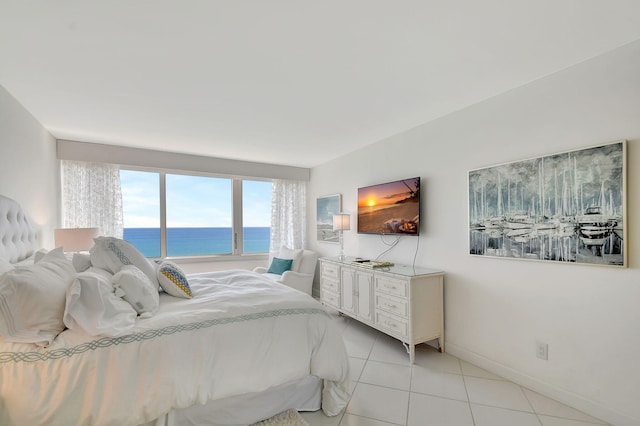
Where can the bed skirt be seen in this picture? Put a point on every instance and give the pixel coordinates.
(301, 395)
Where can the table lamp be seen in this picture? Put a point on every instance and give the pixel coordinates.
(75, 239)
(341, 222)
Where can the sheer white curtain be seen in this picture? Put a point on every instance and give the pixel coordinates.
(288, 214)
(92, 197)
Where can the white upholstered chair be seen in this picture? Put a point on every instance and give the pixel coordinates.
(301, 274)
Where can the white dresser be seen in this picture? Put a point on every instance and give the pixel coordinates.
(402, 301)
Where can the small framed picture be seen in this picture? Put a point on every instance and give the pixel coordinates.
(326, 207)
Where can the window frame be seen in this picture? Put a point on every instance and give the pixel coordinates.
(237, 226)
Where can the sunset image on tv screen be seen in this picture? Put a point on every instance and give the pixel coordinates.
(390, 208)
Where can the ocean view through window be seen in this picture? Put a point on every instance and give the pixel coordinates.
(199, 214)
(187, 241)
(199, 204)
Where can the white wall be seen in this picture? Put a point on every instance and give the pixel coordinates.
(496, 309)
(28, 166)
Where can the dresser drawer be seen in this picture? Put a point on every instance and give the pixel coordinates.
(392, 286)
(393, 324)
(330, 285)
(392, 304)
(329, 298)
(329, 270)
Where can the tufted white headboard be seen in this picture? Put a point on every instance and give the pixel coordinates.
(19, 237)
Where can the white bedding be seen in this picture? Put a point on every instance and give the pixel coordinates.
(239, 333)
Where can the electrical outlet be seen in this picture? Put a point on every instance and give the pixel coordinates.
(542, 350)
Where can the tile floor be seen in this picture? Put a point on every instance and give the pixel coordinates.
(438, 390)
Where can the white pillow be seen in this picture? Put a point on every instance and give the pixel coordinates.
(81, 262)
(173, 280)
(90, 299)
(5, 266)
(93, 307)
(26, 262)
(40, 254)
(111, 254)
(135, 287)
(287, 253)
(32, 299)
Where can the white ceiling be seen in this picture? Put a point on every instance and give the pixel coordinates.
(284, 81)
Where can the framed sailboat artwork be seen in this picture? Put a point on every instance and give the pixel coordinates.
(568, 207)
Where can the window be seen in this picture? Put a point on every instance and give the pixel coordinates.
(141, 210)
(199, 220)
(256, 216)
(202, 215)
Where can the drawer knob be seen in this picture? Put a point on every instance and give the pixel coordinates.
(389, 305)
(389, 324)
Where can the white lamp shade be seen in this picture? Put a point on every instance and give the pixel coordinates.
(75, 239)
(341, 222)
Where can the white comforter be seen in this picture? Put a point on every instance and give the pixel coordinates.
(238, 334)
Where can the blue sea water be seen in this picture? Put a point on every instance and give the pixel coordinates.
(197, 241)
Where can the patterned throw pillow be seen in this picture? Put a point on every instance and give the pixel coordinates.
(173, 280)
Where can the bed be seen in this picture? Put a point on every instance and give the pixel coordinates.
(241, 349)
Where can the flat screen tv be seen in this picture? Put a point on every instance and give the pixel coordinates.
(390, 208)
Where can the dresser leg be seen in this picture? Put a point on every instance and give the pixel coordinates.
(411, 350)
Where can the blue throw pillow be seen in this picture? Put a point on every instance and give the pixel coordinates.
(280, 266)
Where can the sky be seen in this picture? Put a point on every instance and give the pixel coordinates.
(192, 201)
(386, 193)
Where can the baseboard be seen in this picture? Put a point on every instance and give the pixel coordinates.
(568, 398)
